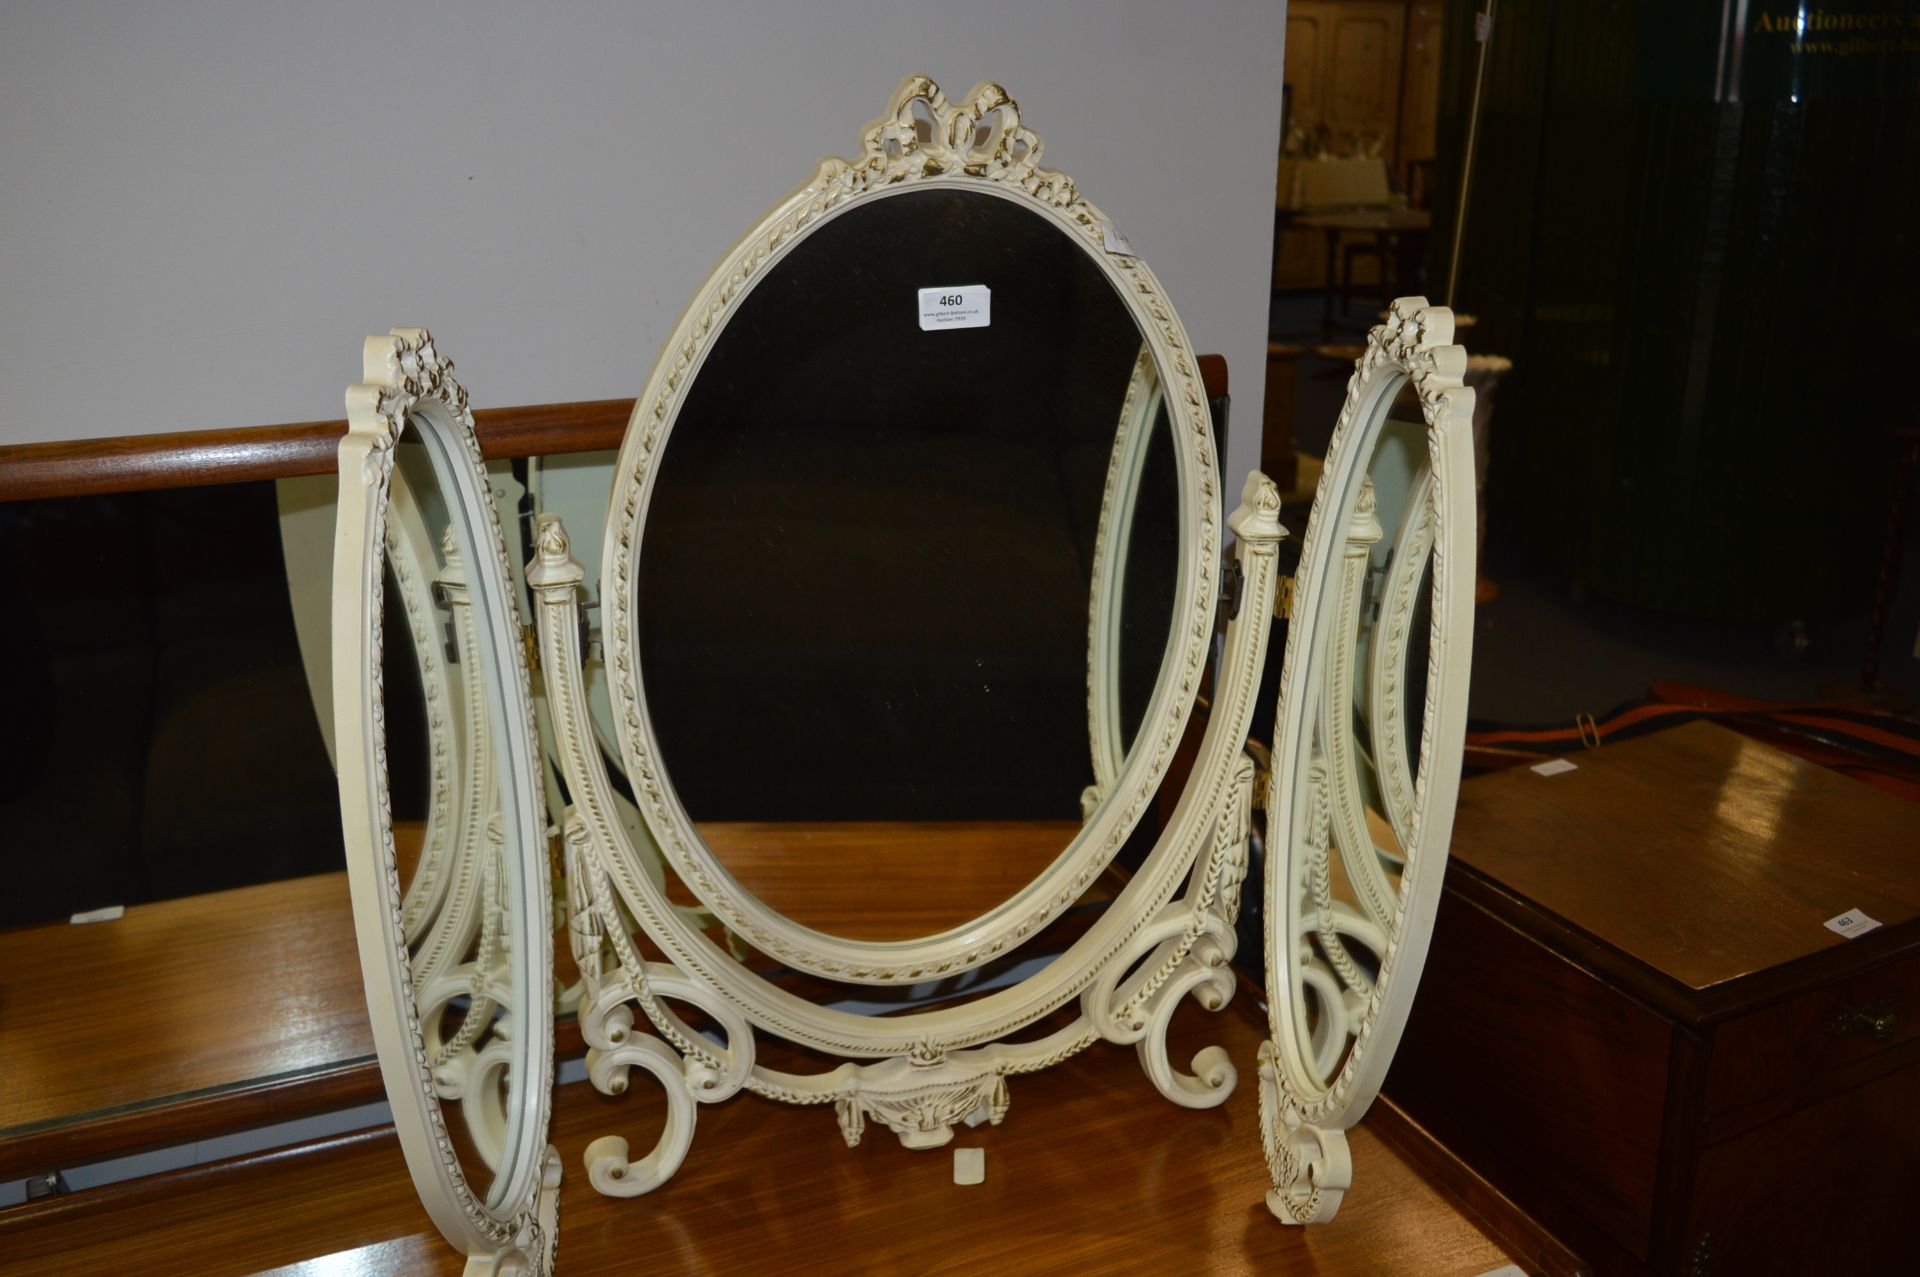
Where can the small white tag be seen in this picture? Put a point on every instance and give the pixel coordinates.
(1482, 27)
(1851, 923)
(1553, 767)
(112, 913)
(969, 1165)
(957, 306)
(1116, 242)
(1505, 1270)
(976, 1117)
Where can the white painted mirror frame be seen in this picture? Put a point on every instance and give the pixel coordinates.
(1304, 1115)
(1128, 973)
(407, 385)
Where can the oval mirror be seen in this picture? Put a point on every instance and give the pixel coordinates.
(1369, 738)
(909, 581)
(445, 838)
(901, 535)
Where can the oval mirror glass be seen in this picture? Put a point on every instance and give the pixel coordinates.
(910, 562)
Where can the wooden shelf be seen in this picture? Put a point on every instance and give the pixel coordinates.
(1091, 1172)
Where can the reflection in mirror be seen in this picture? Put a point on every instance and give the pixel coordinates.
(1134, 578)
(161, 736)
(1368, 727)
(454, 884)
(869, 555)
(161, 761)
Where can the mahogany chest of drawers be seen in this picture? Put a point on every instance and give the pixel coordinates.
(1635, 1022)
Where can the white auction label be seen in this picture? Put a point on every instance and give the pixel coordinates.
(1553, 767)
(957, 306)
(1851, 923)
(112, 913)
(1116, 242)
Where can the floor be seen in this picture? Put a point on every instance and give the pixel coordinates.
(1545, 651)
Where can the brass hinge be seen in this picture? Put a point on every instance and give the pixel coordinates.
(1283, 598)
(1233, 587)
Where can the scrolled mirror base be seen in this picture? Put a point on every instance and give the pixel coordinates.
(531, 1253)
(1128, 995)
(1310, 1165)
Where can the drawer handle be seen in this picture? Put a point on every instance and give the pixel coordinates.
(1876, 1019)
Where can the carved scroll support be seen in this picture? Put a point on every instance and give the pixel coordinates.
(616, 979)
(1310, 1165)
(1186, 950)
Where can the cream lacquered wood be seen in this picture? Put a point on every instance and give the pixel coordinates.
(1336, 1015)
(407, 386)
(1154, 946)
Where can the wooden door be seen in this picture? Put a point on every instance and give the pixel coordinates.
(1420, 87)
(1344, 65)
(1363, 49)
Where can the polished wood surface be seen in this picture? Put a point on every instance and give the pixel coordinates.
(1779, 1048)
(1091, 1172)
(201, 1016)
(933, 875)
(135, 463)
(1602, 1154)
(1859, 1147)
(1213, 375)
(1630, 1006)
(1700, 853)
(177, 999)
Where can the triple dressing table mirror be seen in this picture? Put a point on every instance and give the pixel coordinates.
(911, 578)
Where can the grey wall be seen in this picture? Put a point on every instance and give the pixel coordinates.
(205, 206)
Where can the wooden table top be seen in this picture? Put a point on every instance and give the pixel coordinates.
(178, 997)
(930, 875)
(1091, 1172)
(212, 996)
(1698, 852)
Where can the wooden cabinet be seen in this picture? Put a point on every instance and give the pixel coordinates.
(1860, 1146)
(1343, 62)
(1420, 92)
(1367, 72)
(1634, 1021)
